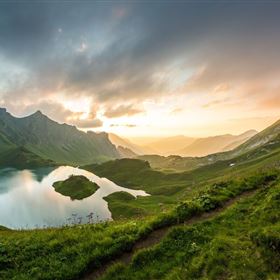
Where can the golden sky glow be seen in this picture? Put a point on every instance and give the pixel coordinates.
(140, 69)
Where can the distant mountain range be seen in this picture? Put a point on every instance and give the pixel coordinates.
(37, 137)
(170, 145)
(127, 144)
(210, 145)
(39, 141)
(185, 146)
(260, 145)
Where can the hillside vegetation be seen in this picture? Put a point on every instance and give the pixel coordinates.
(49, 140)
(20, 157)
(167, 188)
(241, 243)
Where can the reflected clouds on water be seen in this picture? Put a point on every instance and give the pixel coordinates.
(28, 200)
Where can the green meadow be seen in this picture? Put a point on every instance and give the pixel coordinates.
(70, 252)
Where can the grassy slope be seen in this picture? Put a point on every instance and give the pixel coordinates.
(242, 243)
(120, 200)
(137, 174)
(76, 187)
(124, 206)
(20, 157)
(3, 228)
(60, 253)
(5, 144)
(168, 189)
(12, 155)
(65, 253)
(174, 163)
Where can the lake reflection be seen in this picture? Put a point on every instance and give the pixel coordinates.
(28, 200)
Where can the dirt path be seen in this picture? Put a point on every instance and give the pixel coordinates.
(157, 235)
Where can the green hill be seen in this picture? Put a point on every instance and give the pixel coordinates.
(270, 135)
(5, 143)
(20, 157)
(167, 188)
(50, 140)
(241, 243)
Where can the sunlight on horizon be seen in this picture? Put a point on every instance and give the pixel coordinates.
(124, 73)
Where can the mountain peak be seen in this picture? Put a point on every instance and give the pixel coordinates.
(48, 139)
(38, 114)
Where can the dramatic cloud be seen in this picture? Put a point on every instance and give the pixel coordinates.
(112, 54)
(87, 123)
(122, 110)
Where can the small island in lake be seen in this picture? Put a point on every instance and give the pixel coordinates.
(76, 187)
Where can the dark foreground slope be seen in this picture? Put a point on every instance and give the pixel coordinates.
(50, 140)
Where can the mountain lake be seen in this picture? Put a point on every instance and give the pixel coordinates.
(28, 199)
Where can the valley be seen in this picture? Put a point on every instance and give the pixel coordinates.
(187, 208)
(139, 140)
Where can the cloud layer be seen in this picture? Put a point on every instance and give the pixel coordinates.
(119, 56)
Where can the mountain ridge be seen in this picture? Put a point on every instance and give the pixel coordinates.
(268, 140)
(214, 144)
(182, 145)
(51, 140)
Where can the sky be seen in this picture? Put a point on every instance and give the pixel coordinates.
(143, 68)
